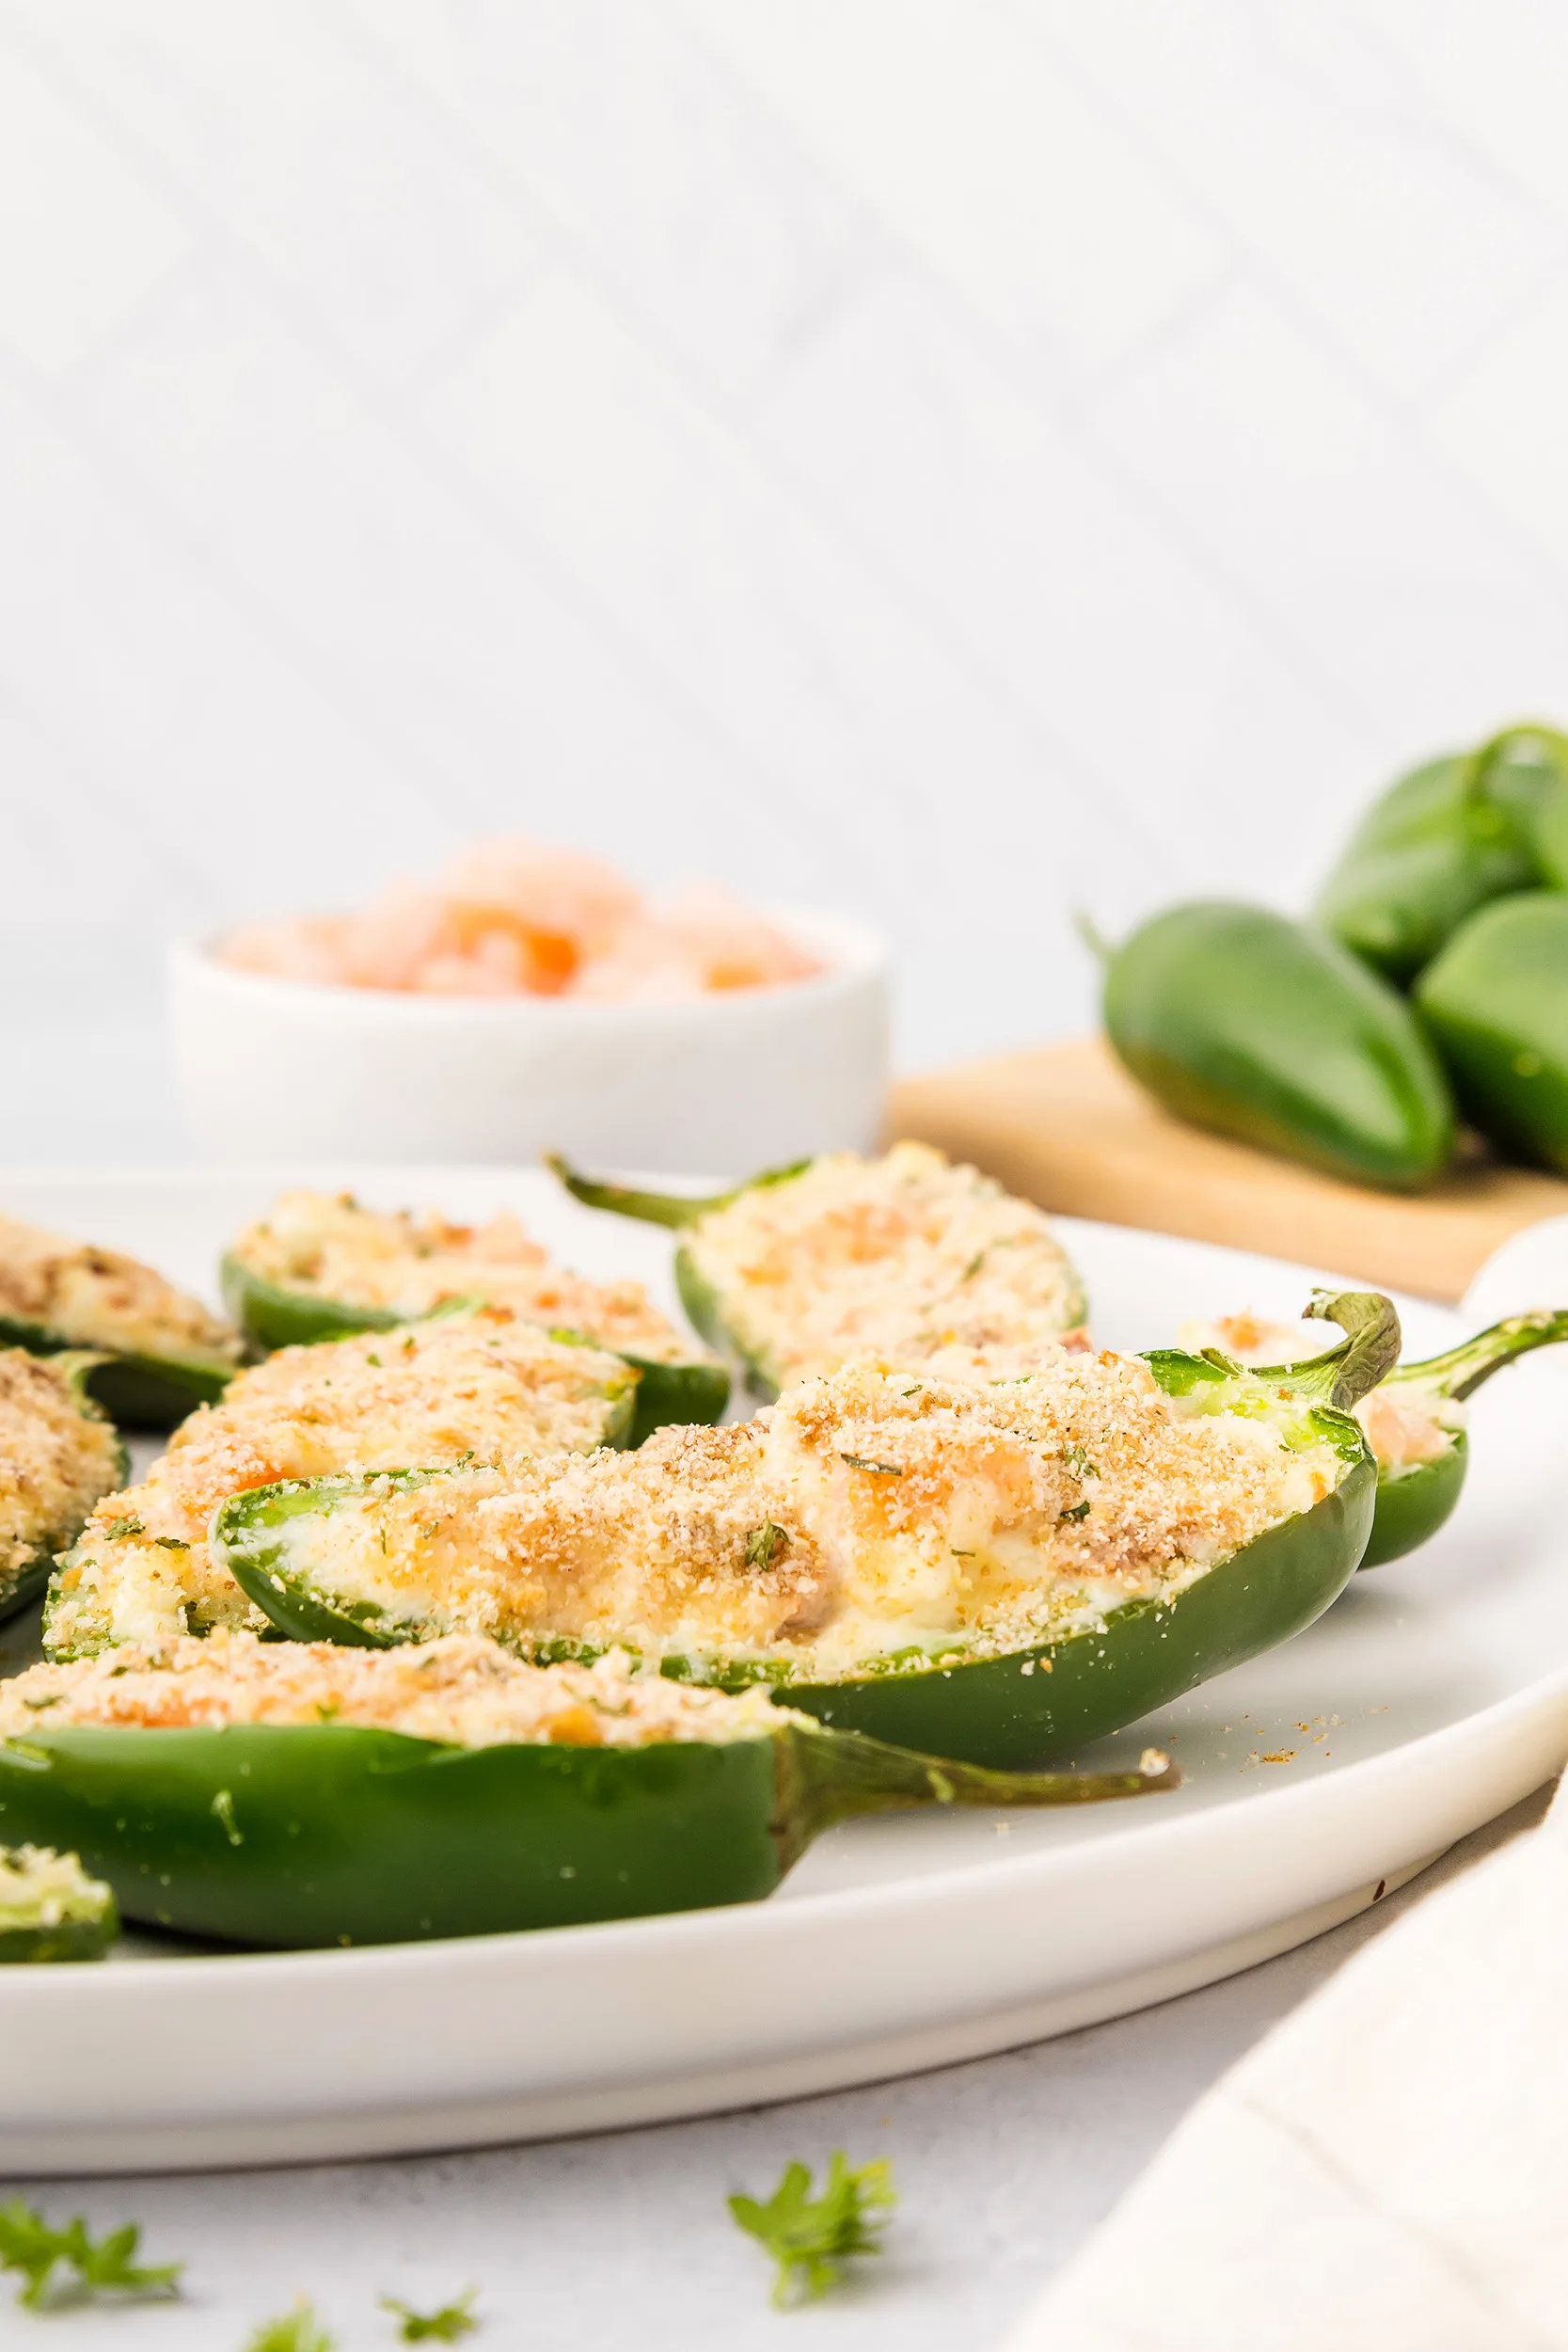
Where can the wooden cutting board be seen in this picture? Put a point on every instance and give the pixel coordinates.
(1064, 1125)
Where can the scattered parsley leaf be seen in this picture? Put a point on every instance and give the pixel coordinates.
(446, 2326)
(28, 2245)
(1079, 1511)
(812, 2237)
(763, 1544)
(882, 1469)
(173, 1543)
(119, 1527)
(298, 2330)
(1076, 1459)
(972, 1268)
(375, 1360)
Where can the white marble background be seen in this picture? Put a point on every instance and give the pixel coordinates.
(954, 458)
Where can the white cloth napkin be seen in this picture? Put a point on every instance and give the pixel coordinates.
(1387, 2171)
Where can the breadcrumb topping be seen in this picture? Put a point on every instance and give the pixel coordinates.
(461, 1688)
(410, 1261)
(899, 1257)
(481, 1384)
(869, 1513)
(100, 1298)
(56, 1457)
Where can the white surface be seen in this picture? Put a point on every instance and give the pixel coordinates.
(750, 1078)
(1384, 2175)
(1433, 1696)
(953, 458)
(589, 2244)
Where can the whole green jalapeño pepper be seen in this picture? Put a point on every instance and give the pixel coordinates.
(292, 1837)
(1495, 1001)
(1240, 1020)
(272, 1317)
(995, 1709)
(1440, 843)
(1414, 1498)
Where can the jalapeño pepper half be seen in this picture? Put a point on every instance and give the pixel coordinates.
(272, 1317)
(59, 1456)
(289, 1836)
(1239, 1020)
(157, 1354)
(1415, 1498)
(900, 1256)
(995, 1709)
(50, 1909)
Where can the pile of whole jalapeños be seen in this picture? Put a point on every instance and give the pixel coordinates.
(1430, 985)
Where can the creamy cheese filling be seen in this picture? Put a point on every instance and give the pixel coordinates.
(99, 1298)
(483, 1384)
(463, 1689)
(41, 1888)
(899, 1257)
(409, 1262)
(867, 1515)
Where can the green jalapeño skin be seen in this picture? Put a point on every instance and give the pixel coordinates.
(1240, 1021)
(292, 1837)
(1000, 1710)
(1442, 842)
(1416, 1499)
(1496, 1002)
(271, 1317)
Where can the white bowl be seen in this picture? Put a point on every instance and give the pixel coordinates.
(733, 1082)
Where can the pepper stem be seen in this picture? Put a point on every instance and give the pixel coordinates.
(831, 1777)
(1524, 732)
(659, 1208)
(1459, 1371)
(1367, 1355)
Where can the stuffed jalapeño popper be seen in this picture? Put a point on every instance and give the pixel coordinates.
(293, 1795)
(904, 1257)
(320, 1266)
(991, 1570)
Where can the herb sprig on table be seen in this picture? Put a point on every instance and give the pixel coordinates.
(66, 2266)
(448, 2325)
(810, 2239)
(298, 2330)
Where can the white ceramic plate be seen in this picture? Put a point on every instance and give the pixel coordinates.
(1433, 1696)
